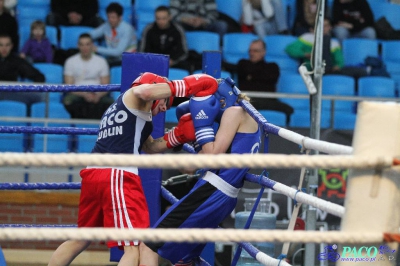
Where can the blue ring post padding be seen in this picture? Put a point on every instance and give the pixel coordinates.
(133, 64)
(211, 63)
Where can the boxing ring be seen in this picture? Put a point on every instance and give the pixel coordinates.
(373, 185)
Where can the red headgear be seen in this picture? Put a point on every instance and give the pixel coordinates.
(151, 78)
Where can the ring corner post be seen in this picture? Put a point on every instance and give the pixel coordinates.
(133, 64)
(211, 63)
(374, 192)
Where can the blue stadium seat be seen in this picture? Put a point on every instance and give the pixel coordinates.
(236, 46)
(51, 33)
(300, 119)
(55, 142)
(233, 9)
(10, 142)
(26, 14)
(201, 41)
(52, 72)
(115, 74)
(115, 94)
(115, 78)
(150, 4)
(170, 115)
(291, 83)
(286, 64)
(355, 50)
(344, 111)
(142, 19)
(344, 120)
(85, 143)
(390, 51)
(104, 3)
(54, 75)
(177, 73)
(394, 70)
(274, 117)
(70, 35)
(144, 13)
(341, 86)
(276, 44)
(376, 87)
(388, 10)
(45, 3)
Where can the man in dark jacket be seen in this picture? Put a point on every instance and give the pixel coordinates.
(13, 67)
(352, 18)
(74, 13)
(9, 26)
(165, 37)
(255, 74)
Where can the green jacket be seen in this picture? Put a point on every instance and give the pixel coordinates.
(303, 46)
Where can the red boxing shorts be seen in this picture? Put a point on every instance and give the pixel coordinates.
(114, 198)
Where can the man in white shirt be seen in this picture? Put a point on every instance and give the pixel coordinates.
(86, 68)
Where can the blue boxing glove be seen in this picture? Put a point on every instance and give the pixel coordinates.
(181, 109)
(204, 110)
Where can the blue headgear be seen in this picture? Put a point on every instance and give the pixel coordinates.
(227, 94)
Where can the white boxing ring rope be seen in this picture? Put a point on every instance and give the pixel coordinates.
(191, 235)
(176, 161)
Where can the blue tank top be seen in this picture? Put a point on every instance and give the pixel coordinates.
(242, 143)
(123, 130)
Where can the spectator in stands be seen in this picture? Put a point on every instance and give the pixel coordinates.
(352, 18)
(38, 47)
(332, 54)
(306, 11)
(198, 15)
(166, 37)
(255, 74)
(74, 13)
(119, 36)
(86, 68)
(11, 5)
(267, 17)
(13, 67)
(9, 26)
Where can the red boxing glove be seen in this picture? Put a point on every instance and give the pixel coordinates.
(182, 133)
(194, 85)
(148, 78)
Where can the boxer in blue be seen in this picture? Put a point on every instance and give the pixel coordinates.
(214, 196)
